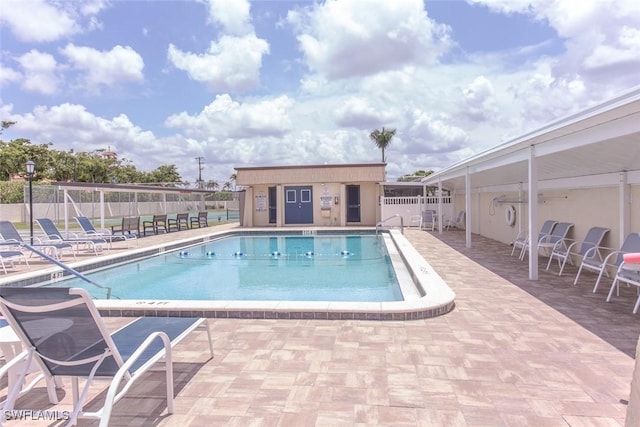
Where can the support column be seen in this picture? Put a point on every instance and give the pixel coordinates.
(467, 208)
(624, 207)
(533, 215)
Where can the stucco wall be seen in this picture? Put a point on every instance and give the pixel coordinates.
(585, 208)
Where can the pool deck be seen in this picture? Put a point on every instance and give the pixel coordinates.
(511, 353)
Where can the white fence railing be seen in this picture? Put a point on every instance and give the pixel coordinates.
(410, 206)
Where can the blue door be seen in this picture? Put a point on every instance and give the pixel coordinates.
(298, 205)
(353, 203)
(273, 205)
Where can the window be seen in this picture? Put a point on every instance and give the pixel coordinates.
(305, 196)
(291, 196)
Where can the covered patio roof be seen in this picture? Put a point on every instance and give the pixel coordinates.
(599, 146)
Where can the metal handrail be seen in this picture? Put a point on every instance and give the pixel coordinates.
(391, 217)
(68, 269)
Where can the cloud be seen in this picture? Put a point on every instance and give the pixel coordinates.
(359, 113)
(225, 118)
(105, 68)
(40, 72)
(234, 16)
(233, 63)
(40, 21)
(350, 38)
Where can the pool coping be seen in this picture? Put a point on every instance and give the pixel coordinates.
(426, 296)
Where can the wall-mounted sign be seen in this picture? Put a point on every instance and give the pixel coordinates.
(261, 202)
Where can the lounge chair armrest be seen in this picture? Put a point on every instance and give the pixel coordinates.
(113, 395)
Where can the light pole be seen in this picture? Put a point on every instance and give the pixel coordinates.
(31, 169)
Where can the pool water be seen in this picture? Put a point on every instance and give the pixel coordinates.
(266, 268)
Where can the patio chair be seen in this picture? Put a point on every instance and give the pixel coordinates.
(428, 220)
(64, 334)
(15, 361)
(90, 231)
(631, 244)
(179, 222)
(522, 240)
(11, 236)
(202, 220)
(589, 248)
(556, 237)
(455, 223)
(157, 223)
(54, 235)
(629, 273)
(10, 256)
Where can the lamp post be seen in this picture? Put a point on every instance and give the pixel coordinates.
(31, 169)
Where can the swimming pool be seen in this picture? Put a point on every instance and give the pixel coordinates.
(424, 292)
(259, 268)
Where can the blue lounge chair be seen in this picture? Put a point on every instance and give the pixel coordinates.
(91, 232)
(53, 234)
(64, 334)
(11, 237)
(9, 256)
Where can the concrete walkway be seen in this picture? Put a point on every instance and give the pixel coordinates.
(511, 353)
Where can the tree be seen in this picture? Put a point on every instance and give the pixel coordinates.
(416, 176)
(382, 139)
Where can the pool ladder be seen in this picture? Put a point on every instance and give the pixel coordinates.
(379, 225)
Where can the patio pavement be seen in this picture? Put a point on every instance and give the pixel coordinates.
(512, 353)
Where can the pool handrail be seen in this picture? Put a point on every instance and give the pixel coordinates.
(391, 217)
(68, 269)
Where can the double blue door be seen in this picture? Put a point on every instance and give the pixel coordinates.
(298, 205)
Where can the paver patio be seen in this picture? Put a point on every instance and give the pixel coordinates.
(512, 353)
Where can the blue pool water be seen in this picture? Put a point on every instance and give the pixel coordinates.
(267, 268)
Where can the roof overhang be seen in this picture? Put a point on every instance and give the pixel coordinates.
(586, 149)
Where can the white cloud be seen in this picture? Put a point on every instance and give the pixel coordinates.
(40, 72)
(225, 118)
(234, 16)
(105, 68)
(46, 21)
(351, 38)
(359, 113)
(9, 76)
(231, 64)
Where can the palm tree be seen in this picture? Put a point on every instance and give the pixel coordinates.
(382, 138)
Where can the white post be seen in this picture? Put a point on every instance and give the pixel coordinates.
(467, 208)
(533, 215)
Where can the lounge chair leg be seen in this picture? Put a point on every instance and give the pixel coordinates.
(614, 285)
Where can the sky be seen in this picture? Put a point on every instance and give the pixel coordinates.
(258, 83)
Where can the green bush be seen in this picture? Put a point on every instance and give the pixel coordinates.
(11, 192)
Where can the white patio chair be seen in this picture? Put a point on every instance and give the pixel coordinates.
(565, 249)
(613, 260)
(64, 334)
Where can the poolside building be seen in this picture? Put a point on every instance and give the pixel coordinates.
(313, 195)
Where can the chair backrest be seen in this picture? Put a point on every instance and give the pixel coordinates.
(460, 217)
(182, 217)
(8, 231)
(594, 238)
(49, 228)
(63, 327)
(547, 228)
(85, 224)
(560, 231)
(631, 244)
(428, 215)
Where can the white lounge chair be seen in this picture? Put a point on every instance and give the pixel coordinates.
(612, 260)
(10, 234)
(589, 248)
(458, 222)
(64, 334)
(54, 235)
(522, 240)
(10, 256)
(106, 234)
(629, 273)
